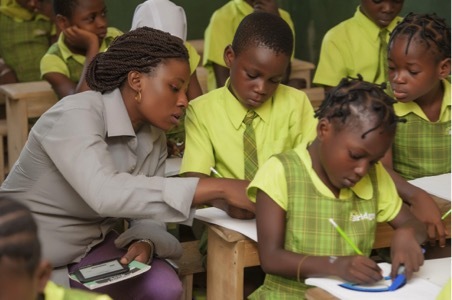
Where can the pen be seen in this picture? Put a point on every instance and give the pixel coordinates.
(445, 215)
(345, 236)
(216, 172)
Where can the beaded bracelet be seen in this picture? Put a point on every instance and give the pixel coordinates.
(150, 243)
(299, 266)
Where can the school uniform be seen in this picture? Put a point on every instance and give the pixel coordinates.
(220, 33)
(60, 59)
(55, 292)
(289, 179)
(214, 129)
(351, 48)
(422, 147)
(84, 168)
(24, 39)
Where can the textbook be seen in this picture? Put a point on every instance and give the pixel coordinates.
(135, 268)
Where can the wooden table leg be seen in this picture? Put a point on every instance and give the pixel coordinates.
(17, 123)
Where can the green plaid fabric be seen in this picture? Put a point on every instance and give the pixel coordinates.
(23, 44)
(308, 230)
(383, 55)
(422, 148)
(249, 145)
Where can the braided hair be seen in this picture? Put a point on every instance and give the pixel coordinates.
(354, 100)
(64, 7)
(432, 29)
(141, 50)
(18, 234)
(263, 29)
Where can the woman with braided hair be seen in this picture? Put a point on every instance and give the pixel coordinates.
(337, 176)
(98, 156)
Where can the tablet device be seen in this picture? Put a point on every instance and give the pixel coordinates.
(100, 270)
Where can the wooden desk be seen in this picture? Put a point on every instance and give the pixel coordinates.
(23, 101)
(229, 252)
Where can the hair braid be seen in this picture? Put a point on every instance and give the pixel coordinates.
(355, 99)
(430, 28)
(18, 234)
(142, 50)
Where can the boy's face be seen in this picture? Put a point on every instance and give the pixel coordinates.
(255, 74)
(414, 69)
(163, 94)
(345, 157)
(381, 12)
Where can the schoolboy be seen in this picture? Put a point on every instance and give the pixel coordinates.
(220, 33)
(83, 24)
(26, 33)
(354, 46)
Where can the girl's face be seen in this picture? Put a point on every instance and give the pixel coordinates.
(163, 94)
(381, 12)
(255, 74)
(345, 157)
(414, 71)
(91, 15)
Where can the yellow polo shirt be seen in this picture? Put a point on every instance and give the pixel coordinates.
(194, 57)
(214, 129)
(220, 33)
(349, 48)
(271, 179)
(56, 292)
(52, 63)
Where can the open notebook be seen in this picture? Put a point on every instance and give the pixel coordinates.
(439, 186)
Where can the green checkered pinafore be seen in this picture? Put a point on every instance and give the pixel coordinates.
(421, 148)
(308, 230)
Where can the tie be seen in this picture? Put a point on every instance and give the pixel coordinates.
(249, 145)
(383, 56)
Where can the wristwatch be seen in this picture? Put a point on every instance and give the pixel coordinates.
(150, 243)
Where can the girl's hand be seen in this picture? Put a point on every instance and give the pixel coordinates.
(81, 39)
(405, 250)
(358, 269)
(140, 251)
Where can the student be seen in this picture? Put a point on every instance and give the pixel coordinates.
(26, 33)
(220, 32)
(98, 157)
(257, 59)
(23, 274)
(167, 16)
(355, 46)
(419, 66)
(336, 176)
(83, 24)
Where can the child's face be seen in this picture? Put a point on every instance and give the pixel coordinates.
(381, 12)
(164, 94)
(414, 71)
(255, 74)
(30, 5)
(345, 157)
(91, 15)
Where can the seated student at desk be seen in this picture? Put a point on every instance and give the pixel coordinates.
(419, 65)
(336, 176)
(98, 157)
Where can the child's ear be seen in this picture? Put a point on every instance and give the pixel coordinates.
(444, 68)
(43, 274)
(229, 55)
(323, 129)
(62, 22)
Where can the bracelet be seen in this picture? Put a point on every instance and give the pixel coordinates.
(150, 243)
(299, 267)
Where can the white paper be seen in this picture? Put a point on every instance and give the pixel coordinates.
(425, 285)
(438, 186)
(219, 217)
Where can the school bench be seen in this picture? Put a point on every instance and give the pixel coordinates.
(23, 101)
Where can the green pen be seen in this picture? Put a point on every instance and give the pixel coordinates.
(216, 172)
(345, 237)
(445, 215)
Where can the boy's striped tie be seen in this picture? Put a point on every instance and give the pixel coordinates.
(249, 145)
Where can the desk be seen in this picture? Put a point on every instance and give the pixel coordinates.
(23, 101)
(229, 252)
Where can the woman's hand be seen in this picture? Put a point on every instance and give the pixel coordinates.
(141, 251)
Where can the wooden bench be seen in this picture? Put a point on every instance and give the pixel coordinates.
(189, 264)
